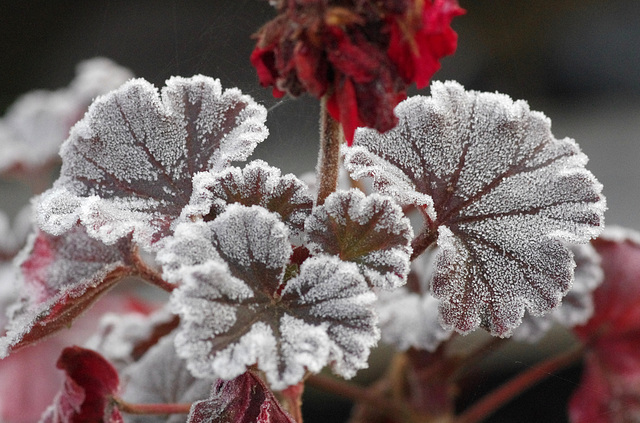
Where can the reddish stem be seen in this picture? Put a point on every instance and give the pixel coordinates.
(292, 401)
(329, 159)
(144, 271)
(505, 393)
(359, 394)
(422, 242)
(151, 409)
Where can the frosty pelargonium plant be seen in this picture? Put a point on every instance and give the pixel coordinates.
(464, 213)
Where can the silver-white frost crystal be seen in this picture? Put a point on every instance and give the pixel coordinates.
(242, 303)
(499, 193)
(128, 164)
(38, 122)
(577, 305)
(409, 315)
(370, 231)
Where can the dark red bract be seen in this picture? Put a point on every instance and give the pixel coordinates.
(90, 383)
(244, 399)
(610, 387)
(362, 54)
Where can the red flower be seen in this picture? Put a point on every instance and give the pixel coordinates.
(610, 387)
(362, 54)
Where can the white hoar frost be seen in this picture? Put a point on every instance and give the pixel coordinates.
(256, 184)
(35, 126)
(500, 194)
(370, 231)
(577, 306)
(128, 164)
(242, 303)
(409, 315)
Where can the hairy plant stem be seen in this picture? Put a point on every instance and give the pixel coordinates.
(329, 156)
(151, 409)
(358, 394)
(149, 275)
(292, 401)
(523, 381)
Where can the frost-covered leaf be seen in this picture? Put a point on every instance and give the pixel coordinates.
(577, 305)
(242, 303)
(257, 184)
(90, 384)
(161, 377)
(369, 231)
(245, 399)
(23, 399)
(409, 315)
(499, 193)
(35, 126)
(124, 338)
(128, 164)
(13, 234)
(61, 277)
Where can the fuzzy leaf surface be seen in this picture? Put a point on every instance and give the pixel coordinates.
(161, 377)
(245, 399)
(35, 126)
(577, 305)
(409, 315)
(237, 308)
(369, 231)
(256, 184)
(499, 193)
(61, 277)
(128, 164)
(124, 338)
(90, 383)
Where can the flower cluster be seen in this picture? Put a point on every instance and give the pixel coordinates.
(361, 54)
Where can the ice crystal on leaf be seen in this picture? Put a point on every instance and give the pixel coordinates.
(500, 195)
(245, 399)
(61, 277)
(123, 338)
(369, 231)
(38, 122)
(242, 303)
(409, 315)
(90, 383)
(577, 305)
(257, 184)
(128, 164)
(160, 376)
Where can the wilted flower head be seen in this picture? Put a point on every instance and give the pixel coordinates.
(362, 54)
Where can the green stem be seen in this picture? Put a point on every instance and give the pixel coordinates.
(523, 381)
(329, 158)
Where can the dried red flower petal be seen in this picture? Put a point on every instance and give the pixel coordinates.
(91, 381)
(362, 54)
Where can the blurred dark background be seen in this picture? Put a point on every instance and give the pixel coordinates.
(576, 60)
